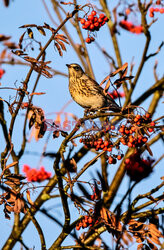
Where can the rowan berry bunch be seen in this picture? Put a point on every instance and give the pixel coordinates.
(108, 145)
(136, 130)
(96, 193)
(138, 168)
(137, 29)
(93, 22)
(115, 94)
(86, 221)
(36, 175)
(152, 10)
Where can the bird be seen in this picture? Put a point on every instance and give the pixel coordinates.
(86, 92)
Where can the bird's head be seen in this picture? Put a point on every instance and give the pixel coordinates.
(75, 70)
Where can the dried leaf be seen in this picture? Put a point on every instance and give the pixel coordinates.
(154, 230)
(3, 54)
(104, 215)
(9, 208)
(124, 67)
(61, 2)
(28, 25)
(56, 134)
(29, 198)
(74, 165)
(140, 247)
(21, 39)
(121, 80)
(106, 78)
(11, 165)
(59, 49)
(61, 37)
(37, 93)
(63, 133)
(18, 52)
(10, 45)
(30, 33)
(42, 130)
(62, 45)
(151, 245)
(47, 26)
(30, 59)
(4, 38)
(41, 30)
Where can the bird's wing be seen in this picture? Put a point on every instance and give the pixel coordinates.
(91, 85)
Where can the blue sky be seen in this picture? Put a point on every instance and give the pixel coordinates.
(57, 94)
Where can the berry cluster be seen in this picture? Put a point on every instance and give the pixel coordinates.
(91, 141)
(85, 222)
(96, 194)
(138, 168)
(92, 23)
(1, 73)
(115, 94)
(152, 10)
(133, 134)
(137, 29)
(38, 175)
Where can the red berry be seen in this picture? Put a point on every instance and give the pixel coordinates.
(88, 40)
(112, 127)
(84, 27)
(101, 15)
(86, 218)
(150, 129)
(77, 227)
(91, 27)
(151, 10)
(110, 159)
(90, 220)
(131, 139)
(93, 13)
(106, 19)
(100, 20)
(121, 130)
(138, 117)
(87, 23)
(95, 19)
(144, 139)
(156, 9)
(151, 14)
(130, 145)
(127, 161)
(109, 149)
(90, 17)
(158, 2)
(127, 11)
(84, 225)
(96, 24)
(102, 23)
(152, 124)
(82, 21)
(119, 157)
(148, 115)
(106, 143)
(161, 10)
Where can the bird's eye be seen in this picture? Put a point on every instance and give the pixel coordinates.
(76, 68)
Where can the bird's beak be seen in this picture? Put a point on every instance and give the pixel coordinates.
(68, 65)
